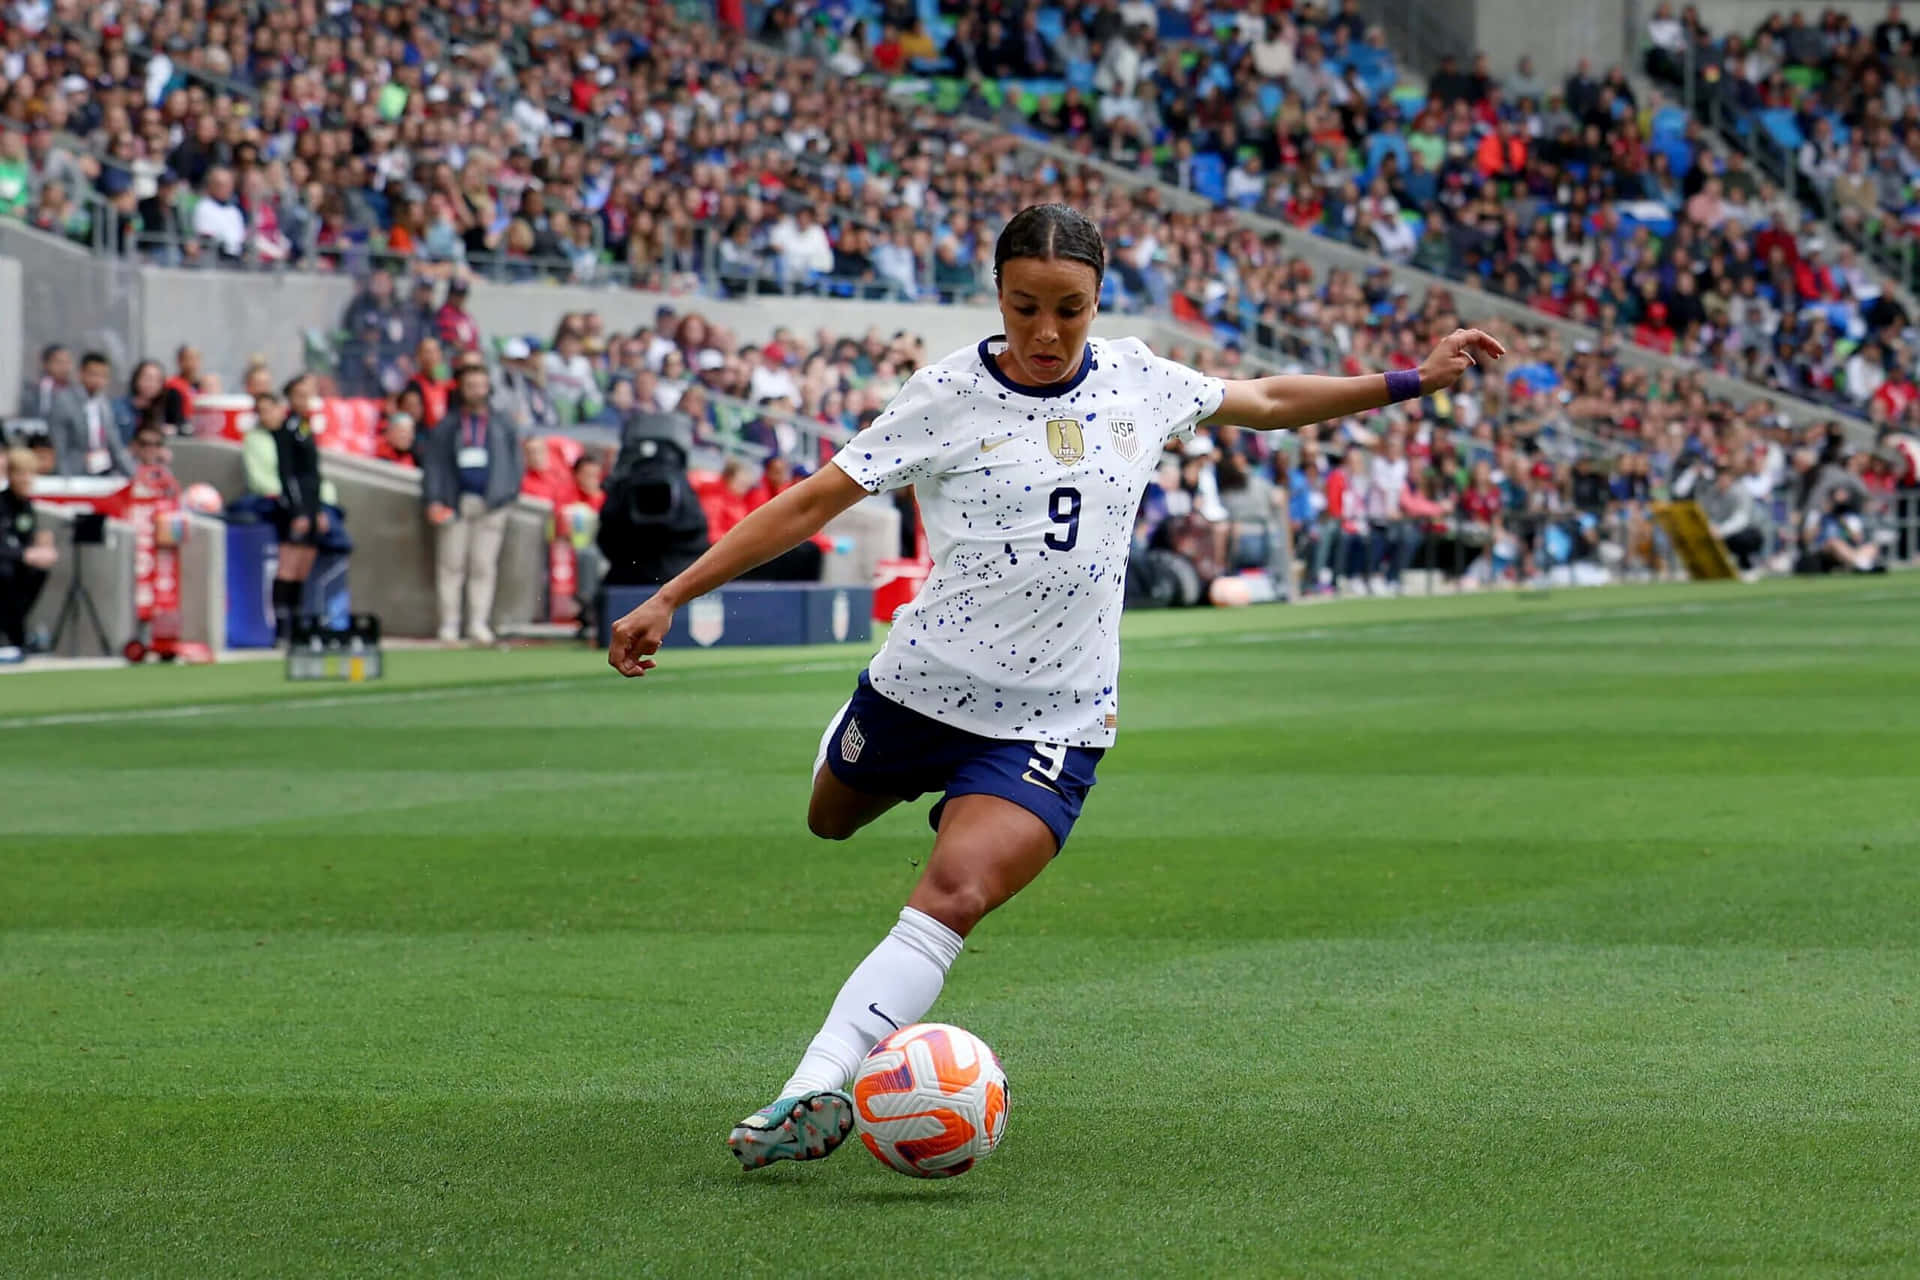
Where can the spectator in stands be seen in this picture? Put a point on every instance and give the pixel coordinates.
(54, 384)
(187, 382)
(454, 326)
(85, 430)
(16, 179)
(398, 442)
(431, 377)
(375, 327)
(218, 218)
(147, 402)
(724, 497)
(471, 467)
(570, 380)
(523, 388)
(546, 474)
(27, 551)
(164, 232)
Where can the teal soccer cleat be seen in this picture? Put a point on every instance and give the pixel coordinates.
(808, 1126)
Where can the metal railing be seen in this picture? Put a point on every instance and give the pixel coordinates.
(1896, 257)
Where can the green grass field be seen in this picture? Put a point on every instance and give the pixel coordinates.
(1495, 936)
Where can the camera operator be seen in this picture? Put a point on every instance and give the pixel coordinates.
(27, 552)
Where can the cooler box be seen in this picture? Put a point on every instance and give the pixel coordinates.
(222, 417)
(756, 613)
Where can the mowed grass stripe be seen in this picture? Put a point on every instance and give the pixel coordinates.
(1492, 936)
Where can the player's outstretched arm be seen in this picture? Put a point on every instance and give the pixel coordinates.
(1289, 401)
(781, 525)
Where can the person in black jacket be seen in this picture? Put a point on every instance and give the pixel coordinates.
(300, 517)
(26, 551)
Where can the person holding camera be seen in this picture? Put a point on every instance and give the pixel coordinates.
(27, 552)
(471, 470)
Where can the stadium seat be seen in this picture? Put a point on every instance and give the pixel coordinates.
(1271, 97)
(1210, 176)
(1782, 128)
(1052, 24)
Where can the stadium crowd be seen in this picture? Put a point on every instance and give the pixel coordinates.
(616, 142)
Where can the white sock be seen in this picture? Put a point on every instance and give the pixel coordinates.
(893, 987)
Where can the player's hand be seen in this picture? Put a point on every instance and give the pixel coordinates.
(321, 523)
(1458, 352)
(439, 513)
(299, 526)
(637, 637)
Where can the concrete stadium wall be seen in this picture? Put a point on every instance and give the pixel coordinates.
(1725, 17)
(134, 312)
(1556, 36)
(391, 570)
(11, 314)
(70, 296)
(233, 316)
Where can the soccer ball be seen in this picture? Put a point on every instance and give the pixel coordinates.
(203, 498)
(930, 1101)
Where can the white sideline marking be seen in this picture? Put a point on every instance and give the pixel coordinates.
(191, 711)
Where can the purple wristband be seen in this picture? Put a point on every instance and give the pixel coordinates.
(1403, 384)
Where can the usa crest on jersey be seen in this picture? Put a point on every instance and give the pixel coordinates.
(1126, 440)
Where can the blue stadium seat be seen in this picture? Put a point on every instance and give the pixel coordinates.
(1210, 176)
(1080, 76)
(1174, 23)
(1782, 127)
(1669, 122)
(1271, 96)
(1051, 23)
(1679, 154)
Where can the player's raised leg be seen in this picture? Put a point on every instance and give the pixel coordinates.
(987, 850)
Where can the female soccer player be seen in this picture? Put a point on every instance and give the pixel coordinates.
(996, 687)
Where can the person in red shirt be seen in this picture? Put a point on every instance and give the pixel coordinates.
(776, 475)
(544, 478)
(589, 480)
(431, 380)
(887, 54)
(396, 442)
(456, 328)
(183, 386)
(1654, 331)
(1501, 154)
(724, 497)
(1346, 502)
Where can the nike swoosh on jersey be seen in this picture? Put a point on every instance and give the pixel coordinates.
(989, 448)
(1028, 776)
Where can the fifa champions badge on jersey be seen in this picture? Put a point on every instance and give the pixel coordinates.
(707, 621)
(1065, 442)
(852, 741)
(1126, 440)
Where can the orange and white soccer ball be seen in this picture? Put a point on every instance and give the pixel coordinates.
(930, 1101)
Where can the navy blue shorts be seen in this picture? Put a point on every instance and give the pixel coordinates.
(884, 749)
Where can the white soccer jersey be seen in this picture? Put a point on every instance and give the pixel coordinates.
(1028, 496)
